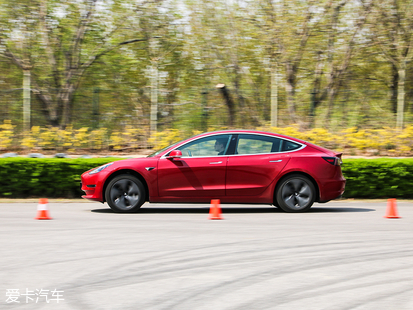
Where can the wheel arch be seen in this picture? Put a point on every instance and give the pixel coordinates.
(126, 171)
(317, 189)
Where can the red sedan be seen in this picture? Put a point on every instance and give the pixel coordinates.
(237, 166)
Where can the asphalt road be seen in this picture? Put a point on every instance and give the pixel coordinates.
(340, 255)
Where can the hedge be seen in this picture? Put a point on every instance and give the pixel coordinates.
(378, 178)
(58, 177)
(44, 177)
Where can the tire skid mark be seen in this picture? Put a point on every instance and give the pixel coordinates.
(373, 298)
(166, 258)
(318, 289)
(242, 282)
(172, 271)
(170, 301)
(208, 257)
(45, 253)
(190, 263)
(239, 282)
(150, 259)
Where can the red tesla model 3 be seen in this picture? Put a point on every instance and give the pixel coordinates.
(236, 166)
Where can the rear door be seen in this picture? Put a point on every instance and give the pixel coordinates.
(257, 161)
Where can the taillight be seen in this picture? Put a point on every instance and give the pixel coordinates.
(335, 161)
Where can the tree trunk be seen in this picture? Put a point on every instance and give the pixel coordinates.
(394, 88)
(154, 99)
(229, 102)
(290, 89)
(401, 96)
(274, 95)
(332, 94)
(238, 94)
(66, 109)
(26, 100)
(316, 98)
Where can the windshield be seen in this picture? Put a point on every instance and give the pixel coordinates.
(164, 149)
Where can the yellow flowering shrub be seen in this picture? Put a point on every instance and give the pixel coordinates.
(128, 138)
(81, 138)
(6, 134)
(31, 139)
(167, 137)
(292, 131)
(383, 141)
(116, 140)
(48, 138)
(357, 139)
(65, 137)
(97, 138)
(320, 136)
(164, 138)
(406, 136)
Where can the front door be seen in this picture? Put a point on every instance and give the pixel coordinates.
(199, 173)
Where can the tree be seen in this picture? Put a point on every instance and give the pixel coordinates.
(335, 57)
(59, 42)
(287, 28)
(392, 32)
(223, 52)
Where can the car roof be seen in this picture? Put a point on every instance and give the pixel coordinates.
(247, 131)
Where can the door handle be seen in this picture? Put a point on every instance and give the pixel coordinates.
(276, 161)
(215, 162)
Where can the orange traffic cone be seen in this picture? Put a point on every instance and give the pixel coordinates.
(42, 212)
(391, 212)
(215, 210)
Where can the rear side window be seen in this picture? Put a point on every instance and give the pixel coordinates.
(289, 146)
(257, 144)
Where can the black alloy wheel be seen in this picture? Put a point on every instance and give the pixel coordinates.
(125, 193)
(295, 193)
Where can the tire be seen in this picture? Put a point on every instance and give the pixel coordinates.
(125, 194)
(295, 193)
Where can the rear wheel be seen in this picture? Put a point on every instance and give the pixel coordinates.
(125, 193)
(296, 193)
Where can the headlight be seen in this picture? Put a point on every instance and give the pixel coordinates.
(99, 169)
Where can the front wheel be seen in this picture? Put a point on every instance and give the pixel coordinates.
(296, 193)
(125, 193)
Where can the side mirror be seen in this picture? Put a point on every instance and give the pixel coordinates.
(174, 154)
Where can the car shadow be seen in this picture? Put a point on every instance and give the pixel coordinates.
(229, 210)
(339, 209)
(195, 210)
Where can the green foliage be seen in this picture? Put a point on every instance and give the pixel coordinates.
(197, 45)
(47, 177)
(26, 177)
(378, 178)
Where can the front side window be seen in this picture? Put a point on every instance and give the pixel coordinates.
(216, 145)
